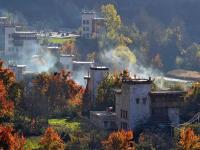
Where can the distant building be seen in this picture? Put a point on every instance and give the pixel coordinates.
(67, 61)
(14, 41)
(19, 71)
(91, 25)
(104, 119)
(95, 75)
(136, 104)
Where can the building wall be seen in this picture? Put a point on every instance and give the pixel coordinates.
(140, 104)
(9, 30)
(138, 111)
(123, 104)
(86, 24)
(67, 62)
(18, 70)
(103, 119)
(173, 114)
(29, 47)
(96, 76)
(2, 38)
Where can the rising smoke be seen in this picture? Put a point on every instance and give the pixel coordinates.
(118, 61)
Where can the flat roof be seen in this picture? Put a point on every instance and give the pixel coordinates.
(137, 81)
(86, 77)
(167, 92)
(53, 47)
(98, 18)
(103, 113)
(66, 55)
(25, 32)
(21, 66)
(99, 68)
(83, 62)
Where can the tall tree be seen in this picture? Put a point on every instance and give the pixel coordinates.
(112, 20)
(120, 140)
(6, 106)
(10, 140)
(188, 140)
(51, 140)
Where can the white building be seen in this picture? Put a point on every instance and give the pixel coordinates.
(67, 62)
(91, 25)
(19, 71)
(15, 42)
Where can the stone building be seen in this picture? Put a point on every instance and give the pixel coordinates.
(91, 25)
(14, 41)
(104, 119)
(97, 74)
(19, 71)
(165, 106)
(136, 104)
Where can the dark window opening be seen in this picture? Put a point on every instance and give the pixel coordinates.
(144, 100)
(137, 100)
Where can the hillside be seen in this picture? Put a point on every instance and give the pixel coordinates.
(168, 28)
(66, 13)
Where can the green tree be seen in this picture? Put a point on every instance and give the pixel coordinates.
(112, 20)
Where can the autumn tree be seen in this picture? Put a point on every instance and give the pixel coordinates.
(120, 140)
(68, 47)
(112, 19)
(105, 90)
(51, 140)
(188, 140)
(6, 106)
(10, 140)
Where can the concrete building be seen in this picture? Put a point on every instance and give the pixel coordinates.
(104, 119)
(23, 43)
(91, 25)
(18, 70)
(136, 104)
(67, 61)
(133, 103)
(165, 106)
(95, 76)
(14, 41)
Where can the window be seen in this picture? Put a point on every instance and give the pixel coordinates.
(84, 21)
(124, 114)
(144, 100)
(124, 125)
(87, 28)
(105, 124)
(137, 100)
(88, 21)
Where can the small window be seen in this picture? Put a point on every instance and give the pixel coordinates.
(84, 21)
(105, 124)
(88, 21)
(137, 100)
(144, 100)
(124, 114)
(124, 125)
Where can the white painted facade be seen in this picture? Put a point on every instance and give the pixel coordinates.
(9, 30)
(67, 62)
(133, 100)
(86, 23)
(19, 71)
